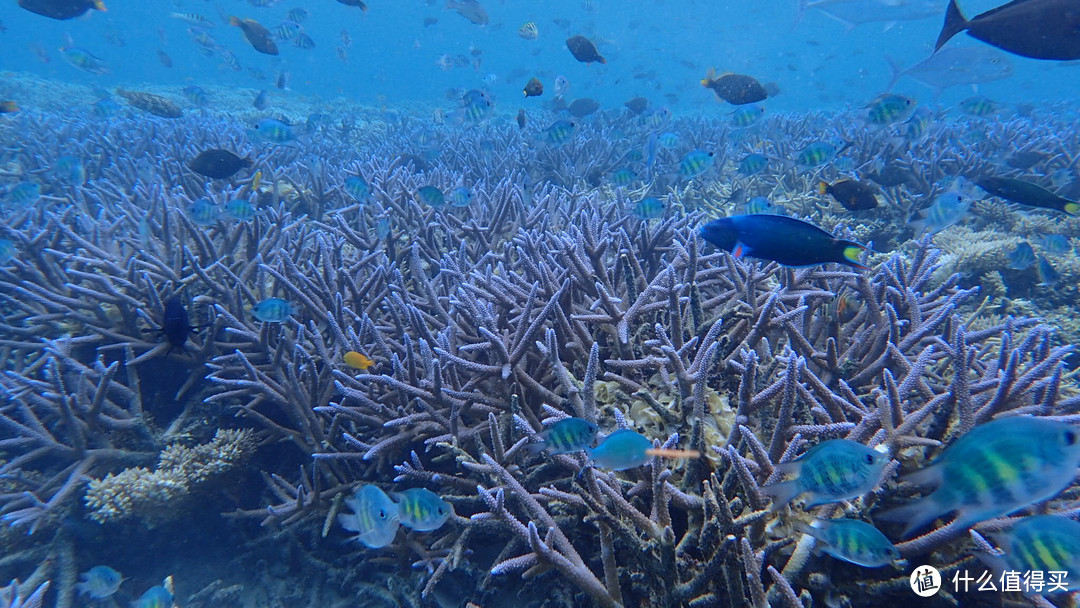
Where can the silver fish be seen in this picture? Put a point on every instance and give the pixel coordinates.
(956, 66)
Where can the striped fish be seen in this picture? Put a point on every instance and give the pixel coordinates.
(565, 436)
(851, 540)
(996, 468)
(422, 509)
(833, 470)
(375, 518)
(1045, 543)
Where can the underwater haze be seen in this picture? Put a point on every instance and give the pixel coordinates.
(574, 304)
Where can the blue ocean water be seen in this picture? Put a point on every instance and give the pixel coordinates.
(405, 336)
(656, 49)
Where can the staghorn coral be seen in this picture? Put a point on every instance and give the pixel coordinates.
(543, 298)
(159, 495)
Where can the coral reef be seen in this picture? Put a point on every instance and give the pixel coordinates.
(544, 297)
(154, 495)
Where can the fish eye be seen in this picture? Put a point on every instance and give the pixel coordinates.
(869, 458)
(382, 513)
(1070, 438)
(440, 511)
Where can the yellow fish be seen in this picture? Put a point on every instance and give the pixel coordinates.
(357, 360)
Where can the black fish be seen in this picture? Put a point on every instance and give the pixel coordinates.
(218, 164)
(534, 88)
(1026, 193)
(786, 240)
(521, 118)
(1040, 29)
(852, 194)
(584, 50)
(736, 89)
(891, 175)
(580, 108)
(61, 9)
(174, 325)
(637, 105)
(256, 34)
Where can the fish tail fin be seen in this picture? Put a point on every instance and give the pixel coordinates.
(100, 5)
(1072, 208)
(915, 515)
(602, 60)
(536, 448)
(851, 252)
(812, 528)
(782, 493)
(955, 22)
(920, 226)
(822, 187)
(709, 76)
(349, 522)
(895, 72)
(234, 21)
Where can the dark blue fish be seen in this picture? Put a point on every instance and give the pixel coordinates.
(786, 240)
(175, 325)
(1040, 29)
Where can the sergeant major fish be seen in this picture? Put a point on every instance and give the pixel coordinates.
(851, 540)
(422, 510)
(833, 470)
(993, 470)
(374, 518)
(565, 436)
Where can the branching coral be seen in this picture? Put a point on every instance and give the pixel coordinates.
(546, 297)
(160, 494)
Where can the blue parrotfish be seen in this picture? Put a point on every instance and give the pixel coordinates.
(993, 470)
(565, 436)
(786, 240)
(375, 518)
(831, 471)
(99, 582)
(851, 540)
(422, 510)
